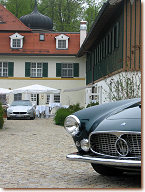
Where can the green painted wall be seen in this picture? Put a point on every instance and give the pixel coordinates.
(110, 58)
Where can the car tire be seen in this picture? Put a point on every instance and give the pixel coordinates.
(8, 118)
(32, 118)
(105, 170)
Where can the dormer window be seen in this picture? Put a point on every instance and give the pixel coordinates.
(62, 42)
(16, 41)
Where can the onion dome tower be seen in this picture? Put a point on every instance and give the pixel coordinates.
(37, 21)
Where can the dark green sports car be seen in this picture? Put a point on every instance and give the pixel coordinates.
(108, 136)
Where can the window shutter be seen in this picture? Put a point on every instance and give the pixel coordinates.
(76, 69)
(10, 69)
(58, 69)
(27, 69)
(45, 69)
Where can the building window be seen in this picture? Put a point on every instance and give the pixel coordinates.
(48, 99)
(17, 96)
(42, 37)
(62, 42)
(16, 41)
(33, 97)
(3, 69)
(67, 70)
(3, 99)
(36, 69)
(57, 98)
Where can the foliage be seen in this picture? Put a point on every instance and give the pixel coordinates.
(19, 7)
(62, 113)
(126, 86)
(1, 117)
(92, 10)
(66, 14)
(92, 104)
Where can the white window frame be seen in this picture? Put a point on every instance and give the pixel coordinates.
(36, 69)
(57, 98)
(67, 68)
(2, 69)
(33, 97)
(61, 37)
(17, 96)
(16, 38)
(48, 99)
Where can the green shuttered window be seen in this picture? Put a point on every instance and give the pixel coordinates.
(27, 69)
(67, 70)
(10, 69)
(58, 69)
(45, 69)
(36, 69)
(76, 69)
(6, 69)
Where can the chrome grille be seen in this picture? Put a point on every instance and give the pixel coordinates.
(134, 143)
(105, 143)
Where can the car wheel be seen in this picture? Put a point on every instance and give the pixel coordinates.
(105, 170)
(8, 118)
(32, 118)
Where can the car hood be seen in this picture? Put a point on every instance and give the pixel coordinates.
(20, 108)
(126, 120)
(128, 113)
(91, 117)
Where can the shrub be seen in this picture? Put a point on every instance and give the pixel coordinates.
(1, 117)
(62, 113)
(92, 104)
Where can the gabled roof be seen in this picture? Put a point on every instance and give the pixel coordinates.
(62, 36)
(33, 46)
(8, 22)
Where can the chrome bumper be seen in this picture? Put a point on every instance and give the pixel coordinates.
(104, 161)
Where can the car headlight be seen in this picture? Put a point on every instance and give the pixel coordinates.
(9, 110)
(29, 110)
(85, 145)
(71, 124)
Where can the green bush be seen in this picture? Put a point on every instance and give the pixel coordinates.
(92, 104)
(62, 113)
(1, 117)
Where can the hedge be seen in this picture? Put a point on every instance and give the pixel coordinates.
(62, 113)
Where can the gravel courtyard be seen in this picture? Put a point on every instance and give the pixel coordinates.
(32, 155)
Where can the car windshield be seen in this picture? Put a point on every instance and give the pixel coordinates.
(21, 103)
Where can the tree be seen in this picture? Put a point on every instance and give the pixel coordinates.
(91, 10)
(65, 14)
(19, 7)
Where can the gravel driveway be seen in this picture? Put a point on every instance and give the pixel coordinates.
(33, 154)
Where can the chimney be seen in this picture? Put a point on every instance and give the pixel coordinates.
(83, 31)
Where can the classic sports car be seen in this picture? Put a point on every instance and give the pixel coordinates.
(108, 136)
(21, 109)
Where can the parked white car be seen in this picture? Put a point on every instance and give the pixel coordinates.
(22, 109)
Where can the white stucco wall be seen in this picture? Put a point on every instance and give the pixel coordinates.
(103, 93)
(67, 98)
